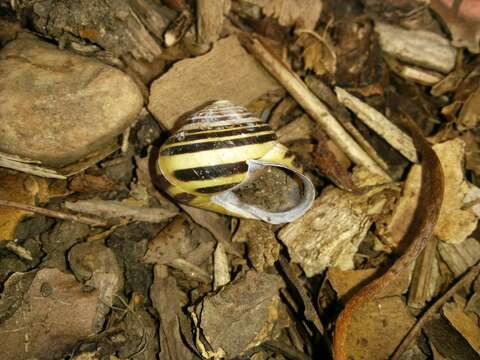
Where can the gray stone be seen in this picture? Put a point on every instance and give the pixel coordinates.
(59, 107)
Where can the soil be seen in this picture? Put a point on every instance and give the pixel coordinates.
(272, 189)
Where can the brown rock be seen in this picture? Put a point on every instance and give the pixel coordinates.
(225, 73)
(58, 107)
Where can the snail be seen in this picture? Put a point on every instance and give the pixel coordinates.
(226, 160)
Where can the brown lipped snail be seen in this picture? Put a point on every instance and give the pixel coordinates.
(226, 160)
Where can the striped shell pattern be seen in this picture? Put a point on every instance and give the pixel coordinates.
(214, 152)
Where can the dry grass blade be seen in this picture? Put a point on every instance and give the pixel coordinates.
(419, 233)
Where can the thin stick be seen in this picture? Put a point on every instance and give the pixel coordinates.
(380, 124)
(467, 278)
(419, 233)
(53, 213)
(311, 104)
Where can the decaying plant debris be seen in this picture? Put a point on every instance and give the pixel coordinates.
(377, 102)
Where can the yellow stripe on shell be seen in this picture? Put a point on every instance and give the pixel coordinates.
(170, 163)
(220, 138)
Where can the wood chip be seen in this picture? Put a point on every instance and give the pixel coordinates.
(330, 232)
(419, 47)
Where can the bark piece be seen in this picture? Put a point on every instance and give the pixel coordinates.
(226, 72)
(55, 302)
(59, 107)
(377, 329)
(242, 315)
(209, 20)
(425, 277)
(419, 47)
(263, 247)
(330, 232)
(460, 257)
(119, 26)
(299, 129)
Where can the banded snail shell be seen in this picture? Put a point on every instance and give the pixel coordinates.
(216, 153)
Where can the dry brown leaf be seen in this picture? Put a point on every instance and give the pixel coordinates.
(469, 117)
(22, 188)
(418, 235)
(343, 282)
(454, 224)
(301, 13)
(54, 315)
(463, 21)
(466, 324)
(377, 328)
(318, 53)
(472, 151)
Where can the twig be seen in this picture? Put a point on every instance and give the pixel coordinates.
(467, 278)
(419, 233)
(54, 213)
(380, 124)
(312, 105)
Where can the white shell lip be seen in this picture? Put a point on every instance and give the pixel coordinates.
(230, 201)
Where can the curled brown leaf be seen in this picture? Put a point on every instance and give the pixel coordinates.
(419, 233)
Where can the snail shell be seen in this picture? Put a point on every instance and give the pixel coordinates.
(216, 152)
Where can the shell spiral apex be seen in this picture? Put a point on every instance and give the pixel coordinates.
(226, 160)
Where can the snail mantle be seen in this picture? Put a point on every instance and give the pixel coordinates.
(226, 160)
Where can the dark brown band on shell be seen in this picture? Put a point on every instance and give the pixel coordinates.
(211, 172)
(213, 145)
(217, 134)
(215, 189)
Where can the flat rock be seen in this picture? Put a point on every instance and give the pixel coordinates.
(227, 72)
(59, 107)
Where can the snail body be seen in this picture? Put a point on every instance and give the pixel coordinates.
(217, 152)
